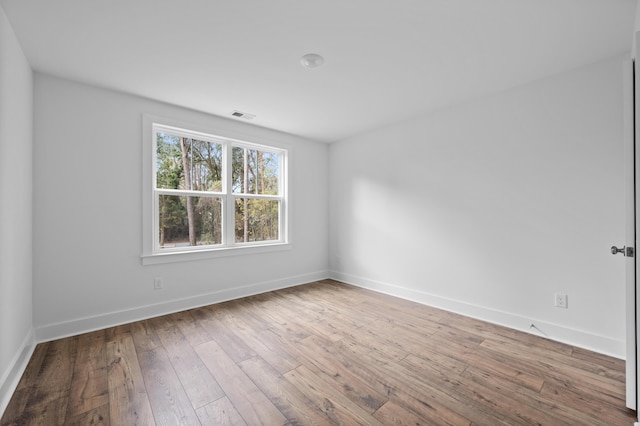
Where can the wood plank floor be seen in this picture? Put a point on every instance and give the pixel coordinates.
(323, 353)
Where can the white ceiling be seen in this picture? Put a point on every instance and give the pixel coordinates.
(385, 60)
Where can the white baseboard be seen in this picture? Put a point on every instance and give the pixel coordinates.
(11, 377)
(601, 344)
(83, 325)
(579, 338)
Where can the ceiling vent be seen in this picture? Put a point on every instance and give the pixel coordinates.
(244, 115)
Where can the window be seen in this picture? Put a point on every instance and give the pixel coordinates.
(211, 193)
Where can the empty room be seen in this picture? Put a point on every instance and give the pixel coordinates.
(330, 212)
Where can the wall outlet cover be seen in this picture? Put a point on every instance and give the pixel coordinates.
(561, 301)
(157, 283)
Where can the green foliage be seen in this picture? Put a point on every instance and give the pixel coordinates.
(169, 174)
(256, 220)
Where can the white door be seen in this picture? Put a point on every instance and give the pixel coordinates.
(630, 219)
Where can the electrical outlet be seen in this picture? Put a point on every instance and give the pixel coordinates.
(561, 301)
(157, 283)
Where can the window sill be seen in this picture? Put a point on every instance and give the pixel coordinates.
(188, 256)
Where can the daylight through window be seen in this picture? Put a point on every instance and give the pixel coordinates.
(212, 192)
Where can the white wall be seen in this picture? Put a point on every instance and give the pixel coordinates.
(491, 207)
(16, 145)
(88, 223)
(636, 29)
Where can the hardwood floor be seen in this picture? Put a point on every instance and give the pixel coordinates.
(323, 353)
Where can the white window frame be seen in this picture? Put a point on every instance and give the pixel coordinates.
(151, 252)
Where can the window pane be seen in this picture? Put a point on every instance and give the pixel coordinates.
(256, 220)
(201, 160)
(178, 228)
(255, 171)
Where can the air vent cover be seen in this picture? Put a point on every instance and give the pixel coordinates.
(244, 115)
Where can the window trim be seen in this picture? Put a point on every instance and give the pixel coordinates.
(151, 254)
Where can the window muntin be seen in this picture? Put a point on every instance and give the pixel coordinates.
(214, 193)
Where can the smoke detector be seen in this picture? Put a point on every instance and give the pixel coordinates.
(311, 60)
